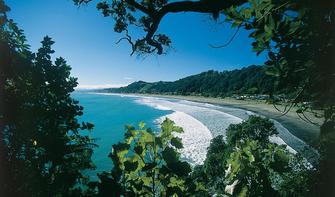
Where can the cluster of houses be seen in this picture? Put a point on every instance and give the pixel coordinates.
(251, 96)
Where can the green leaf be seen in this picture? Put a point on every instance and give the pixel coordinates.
(170, 155)
(176, 142)
(174, 182)
(236, 23)
(246, 13)
(180, 168)
(130, 166)
(138, 149)
(141, 125)
(149, 166)
(146, 137)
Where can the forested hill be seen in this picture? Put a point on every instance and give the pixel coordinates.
(248, 80)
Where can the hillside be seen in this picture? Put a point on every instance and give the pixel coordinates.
(248, 80)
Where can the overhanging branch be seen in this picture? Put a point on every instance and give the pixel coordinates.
(156, 16)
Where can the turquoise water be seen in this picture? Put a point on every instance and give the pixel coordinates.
(110, 114)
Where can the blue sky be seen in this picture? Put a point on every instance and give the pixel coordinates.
(87, 41)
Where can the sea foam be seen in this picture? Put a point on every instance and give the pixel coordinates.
(195, 138)
(211, 121)
(216, 122)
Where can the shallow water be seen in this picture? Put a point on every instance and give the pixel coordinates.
(110, 113)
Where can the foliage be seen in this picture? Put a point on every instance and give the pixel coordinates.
(249, 80)
(42, 149)
(148, 164)
(146, 16)
(255, 128)
(213, 170)
(290, 31)
(298, 37)
(43, 153)
(247, 164)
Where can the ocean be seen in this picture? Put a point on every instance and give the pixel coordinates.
(110, 113)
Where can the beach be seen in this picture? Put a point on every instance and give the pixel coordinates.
(305, 131)
(198, 118)
(203, 121)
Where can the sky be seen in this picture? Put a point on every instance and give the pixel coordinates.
(87, 41)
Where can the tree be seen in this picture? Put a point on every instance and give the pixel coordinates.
(147, 164)
(248, 80)
(148, 14)
(43, 150)
(248, 164)
(214, 165)
(289, 30)
(254, 128)
(298, 37)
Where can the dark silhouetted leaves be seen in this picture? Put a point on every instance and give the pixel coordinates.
(147, 164)
(176, 142)
(45, 152)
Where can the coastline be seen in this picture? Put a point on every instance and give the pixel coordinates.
(215, 119)
(195, 138)
(305, 131)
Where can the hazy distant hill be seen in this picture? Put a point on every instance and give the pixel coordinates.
(248, 80)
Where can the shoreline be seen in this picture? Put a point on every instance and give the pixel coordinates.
(215, 118)
(305, 131)
(195, 138)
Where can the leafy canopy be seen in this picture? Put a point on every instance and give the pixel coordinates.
(248, 80)
(147, 164)
(298, 37)
(247, 164)
(42, 148)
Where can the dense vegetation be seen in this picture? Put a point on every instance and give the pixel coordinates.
(44, 153)
(148, 164)
(298, 37)
(43, 150)
(244, 164)
(249, 80)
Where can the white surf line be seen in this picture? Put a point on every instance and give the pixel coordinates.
(216, 121)
(114, 94)
(195, 138)
(282, 131)
(211, 118)
(284, 136)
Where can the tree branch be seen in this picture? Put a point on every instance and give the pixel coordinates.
(128, 38)
(229, 41)
(139, 7)
(175, 7)
(208, 6)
